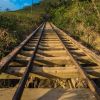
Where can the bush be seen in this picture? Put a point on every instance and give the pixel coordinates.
(15, 26)
(78, 17)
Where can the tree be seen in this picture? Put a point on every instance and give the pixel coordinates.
(0, 8)
(7, 9)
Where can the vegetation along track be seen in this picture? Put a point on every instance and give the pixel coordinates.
(50, 65)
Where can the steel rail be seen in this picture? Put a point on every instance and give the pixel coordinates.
(91, 84)
(88, 52)
(20, 89)
(5, 61)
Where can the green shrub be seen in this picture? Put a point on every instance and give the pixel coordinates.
(77, 14)
(16, 26)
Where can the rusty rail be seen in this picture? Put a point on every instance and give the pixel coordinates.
(88, 52)
(5, 61)
(91, 84)
(23, 81)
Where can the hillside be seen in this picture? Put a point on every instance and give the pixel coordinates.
(15, 26)
(79, 17)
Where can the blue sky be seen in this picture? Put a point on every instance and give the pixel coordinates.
(15, 4)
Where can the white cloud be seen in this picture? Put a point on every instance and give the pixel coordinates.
(26, 4)
(7, 4)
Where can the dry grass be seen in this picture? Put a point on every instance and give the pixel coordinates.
(89, 36)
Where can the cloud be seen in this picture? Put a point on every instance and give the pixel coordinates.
(26, 4)
(15, 4)
(7, 4)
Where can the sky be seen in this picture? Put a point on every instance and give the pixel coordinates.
(15, 4)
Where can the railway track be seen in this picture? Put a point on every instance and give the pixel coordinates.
(50, 61)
